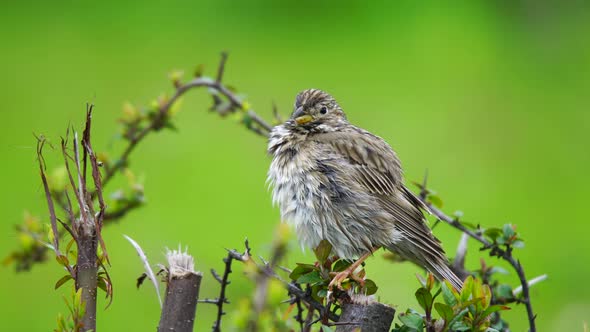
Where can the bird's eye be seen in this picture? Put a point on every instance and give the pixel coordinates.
(323, 110)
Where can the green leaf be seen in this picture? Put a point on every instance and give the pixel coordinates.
(300, 270)
(477, 292)
(448, 296)
(445, 311)
(469, 225)
(487, 296)
(460, 326)
(424, 299)
(370, 287)
(170, 125)
(508, 231)
(199, 70)
(474, 301)
(62, 260)
(326, 328)
(61, 322)
(63, 280)
(322, 251)
(456, 324)
(493, 233)
(77, 298)
(490, 310)
(467, 288)
(435, 200)
(315, 289)
(341, 265)
(310, 278)
(69, 246)
(412, 320)
(504, 292)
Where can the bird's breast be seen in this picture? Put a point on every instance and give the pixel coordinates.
(297, 188)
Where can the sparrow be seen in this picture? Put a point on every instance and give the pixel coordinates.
(337, 182)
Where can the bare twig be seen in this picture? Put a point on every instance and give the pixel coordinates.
(96, 177)
(224, 281)
(48, 197)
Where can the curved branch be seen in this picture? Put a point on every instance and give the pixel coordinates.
(496, 251)
(262, 128)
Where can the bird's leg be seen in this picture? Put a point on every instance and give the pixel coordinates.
(340, 276)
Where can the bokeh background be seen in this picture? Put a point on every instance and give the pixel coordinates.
(491, 97)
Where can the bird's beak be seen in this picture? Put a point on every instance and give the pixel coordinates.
(301, 117)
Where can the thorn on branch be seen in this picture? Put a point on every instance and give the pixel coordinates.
(221, 68)
(216, 276)
(275, 112)
(224, 281)
(423, 187)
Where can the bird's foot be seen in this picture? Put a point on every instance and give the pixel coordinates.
(342, 276)
(338, 279)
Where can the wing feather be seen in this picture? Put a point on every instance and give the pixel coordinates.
(376, 167)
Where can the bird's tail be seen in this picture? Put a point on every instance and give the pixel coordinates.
(442, 271)
(434, 262)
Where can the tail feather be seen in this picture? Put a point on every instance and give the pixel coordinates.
(443, 272)
(436, 264)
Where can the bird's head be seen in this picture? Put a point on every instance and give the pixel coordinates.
(315, 107)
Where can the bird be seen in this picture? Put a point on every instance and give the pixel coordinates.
(337, 182)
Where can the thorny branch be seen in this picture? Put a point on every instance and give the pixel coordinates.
(295, 290)
(265, 270)
(495, 250)
(254, 122)
(224, 281)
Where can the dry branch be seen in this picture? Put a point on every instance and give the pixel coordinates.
(182, 293)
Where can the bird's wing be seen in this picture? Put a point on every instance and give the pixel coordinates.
(376, 167)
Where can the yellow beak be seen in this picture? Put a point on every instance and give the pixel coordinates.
(301, 120)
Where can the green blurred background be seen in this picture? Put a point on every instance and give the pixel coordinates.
(491, 97)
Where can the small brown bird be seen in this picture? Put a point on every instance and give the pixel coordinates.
(338, 182)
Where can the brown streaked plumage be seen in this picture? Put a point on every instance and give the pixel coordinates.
(338, 182)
